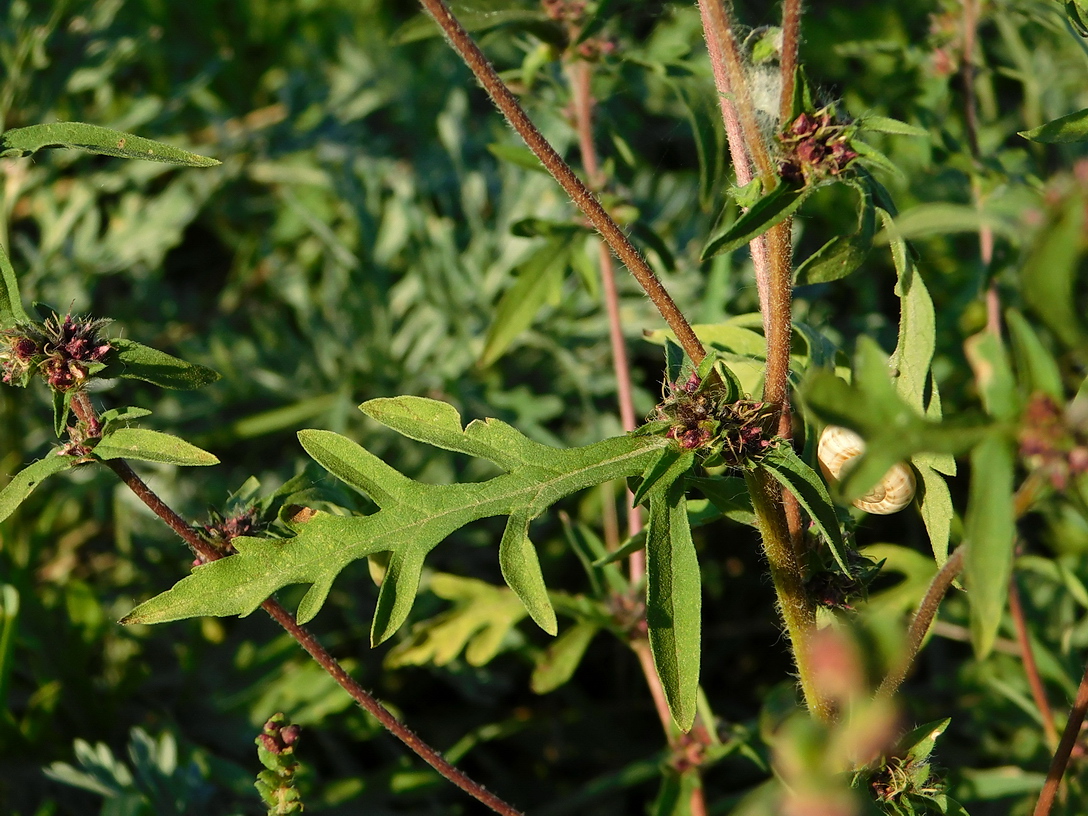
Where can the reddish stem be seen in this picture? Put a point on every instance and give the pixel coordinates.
(791, 30)
(508, 104)
(1065, 749)
(1038, 691)
(83, 409)
(923, 619)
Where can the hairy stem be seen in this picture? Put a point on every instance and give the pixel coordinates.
(1065, 748)
(742, 165)
(504, 99)
(787, 571)
(719, 27)
(772, 257)
(83, 409)
(791, 30)
(923, 619)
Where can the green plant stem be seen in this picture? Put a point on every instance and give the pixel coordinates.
(787, 571)
(1065, 748)
(791, 31)
(922, 620)
(507, 103)
(81, 406)
(1027, 655)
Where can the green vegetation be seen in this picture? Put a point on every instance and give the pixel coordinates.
(300, 238)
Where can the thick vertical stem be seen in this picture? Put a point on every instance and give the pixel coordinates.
(797, 608)
(719, 26)
(742, 165)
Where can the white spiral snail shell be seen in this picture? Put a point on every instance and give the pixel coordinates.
(839, 446)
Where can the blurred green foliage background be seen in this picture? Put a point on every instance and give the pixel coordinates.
(353, 244)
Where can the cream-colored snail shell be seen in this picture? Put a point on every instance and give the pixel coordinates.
(838, 446)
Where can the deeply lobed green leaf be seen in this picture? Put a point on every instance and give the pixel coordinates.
(413, 519)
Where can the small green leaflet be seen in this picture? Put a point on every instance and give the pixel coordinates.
(135, 361)
(773, 208)
(151, 446)
(783, 463)
(1073, 127)
(479, 621)
(11, 307)
(96, 139)
(412, 520)
(557, 663)
(843, 254)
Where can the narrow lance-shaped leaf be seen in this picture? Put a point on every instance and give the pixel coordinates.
(885, 124)
(1038, 370)
(935, 505)
(676, 791)
(674, 601)
(783, 463)
(1073, 127)
(538, 279)
(773, 208)
(673, 462)
(413, 519)
(1049, 278)
(151, 446)
(843, 254)
(96, 139)
(993, 375)
(11, 306)
(22, 484)
(135, 361)
(989, 532)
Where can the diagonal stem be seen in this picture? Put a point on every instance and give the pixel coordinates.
(1065, 748)
(507, 103)
(81, 406)
(923, 619)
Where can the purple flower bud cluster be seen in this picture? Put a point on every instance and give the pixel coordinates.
(278, 738)
(222, 529)
(64, 351)
(700, 420)
(815, 147)
(1053, 442)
